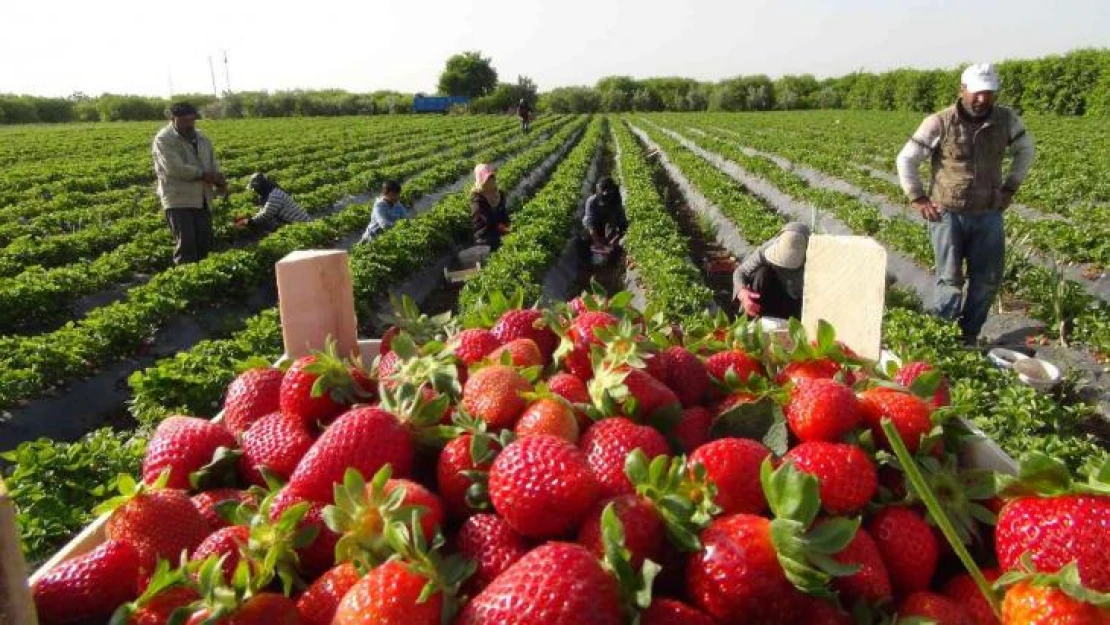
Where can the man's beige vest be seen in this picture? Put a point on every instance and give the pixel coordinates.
(967, 163)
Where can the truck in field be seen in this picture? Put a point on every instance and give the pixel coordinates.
(437, 104)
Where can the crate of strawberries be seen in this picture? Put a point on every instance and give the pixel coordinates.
(586, 464)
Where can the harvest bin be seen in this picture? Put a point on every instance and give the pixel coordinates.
(306, 327)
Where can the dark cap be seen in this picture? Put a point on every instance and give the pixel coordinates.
(181, 109)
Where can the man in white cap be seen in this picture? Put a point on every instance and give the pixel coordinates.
(967, 193)
(769, 281)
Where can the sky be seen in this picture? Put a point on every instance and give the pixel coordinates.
(157, 48)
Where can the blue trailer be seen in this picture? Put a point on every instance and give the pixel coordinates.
(437, 104)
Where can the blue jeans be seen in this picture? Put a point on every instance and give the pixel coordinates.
(978, 240)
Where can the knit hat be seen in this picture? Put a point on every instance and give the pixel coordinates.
(788, 249)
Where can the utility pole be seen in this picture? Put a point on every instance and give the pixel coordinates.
(212, 72)
(227, 73)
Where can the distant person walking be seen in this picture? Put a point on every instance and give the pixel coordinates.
(278, 207)
(525, 113)
(967, 194)
(188, 174)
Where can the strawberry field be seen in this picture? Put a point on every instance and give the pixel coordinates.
(608, 459)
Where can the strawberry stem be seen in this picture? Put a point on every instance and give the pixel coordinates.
(913, 473)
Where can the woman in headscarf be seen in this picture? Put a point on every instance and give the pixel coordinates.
(769, 281)
(488, 215)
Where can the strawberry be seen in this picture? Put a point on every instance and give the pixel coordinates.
(160, 608)
(474, 345)
(693, 426)
(732, 464)
(1031, 604)
(276, 442)
(252, 395)
(913, 370)
(319, 555)
(583, 329)
(938, 608)
(548, 416)
(316, 388)
(811, 369)
(229, 543)
(416, 496)
(523, 353)
(871, 583)
(908, 547)
(578, 363)
(452, 468)
(492, 545)
(398, 592)
(909, 414)
(613, 389)
(89, 587)
(822, 410)
(387, 367)
(607, 444)
(158, 524)
(317, 605)
(573, 389)
(1057, 530)
(555, 584)
(846, 475)
(963, 590)
(493, 395)
(527, 323)
(265, 608)
(542, 486)
(183, 445)
(207, 501)
(664, 611)
(365, 439)
(686, 375)
(736, 361)
(820, 612)
(657, 365)
(644, 532)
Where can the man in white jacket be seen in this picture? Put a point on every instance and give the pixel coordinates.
(967, 194)
(188, 174)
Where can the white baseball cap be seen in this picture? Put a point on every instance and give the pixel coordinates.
(981, 77)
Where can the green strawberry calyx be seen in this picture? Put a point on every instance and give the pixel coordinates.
(683, 495)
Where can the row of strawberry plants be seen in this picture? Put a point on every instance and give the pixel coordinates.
(30, 365)
(1014, 415)
(539, 232)
(191, 382)
(39, 294)
(1091, 318)
(656, 249)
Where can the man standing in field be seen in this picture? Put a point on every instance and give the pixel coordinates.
(188, 173)
(525, 113)
(967, 194)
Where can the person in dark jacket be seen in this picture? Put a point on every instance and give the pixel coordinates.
(770, 280)
(278, 207)
(525, 113)
(604, 218)
(488, 215)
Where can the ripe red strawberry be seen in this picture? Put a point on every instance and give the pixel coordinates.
(316, 388)
(739, 362)
(813, 369)
(963, 590)
(663, 611)
(871, 582)
(277, 442)
(473, 345)
(818, 611)
(452, 483)
(548, 416)
(686, 375)
(909, 414)
(388, 595)
(365, 439)
(577, 362)
(255, 393)
(265, 608)
(387, 366)
(1056, 531)
(207, 501)
(493, 395)
(555, 584)
(692, 430)
(159, 608)
(582, 329)
(417, 496)
(938, 608)
(846, 476)
(657, 364)
(317, 605)
(492, 545)
(523, 352)
(159, 524)
(1029, 604)
(319, 556)
(913, 370)
(733, 465)
(822, 410)
(613, 388)
(386, 345)
(89, 587)
(542, 486)
(527, 323)
(183, 445)
(571, 388)
(908, 547)
(644, 532)
(737, 572)
(607, 444)
(229, 543)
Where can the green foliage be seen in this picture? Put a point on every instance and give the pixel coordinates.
(468, 74)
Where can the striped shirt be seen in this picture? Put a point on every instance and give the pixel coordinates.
(280, 209)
